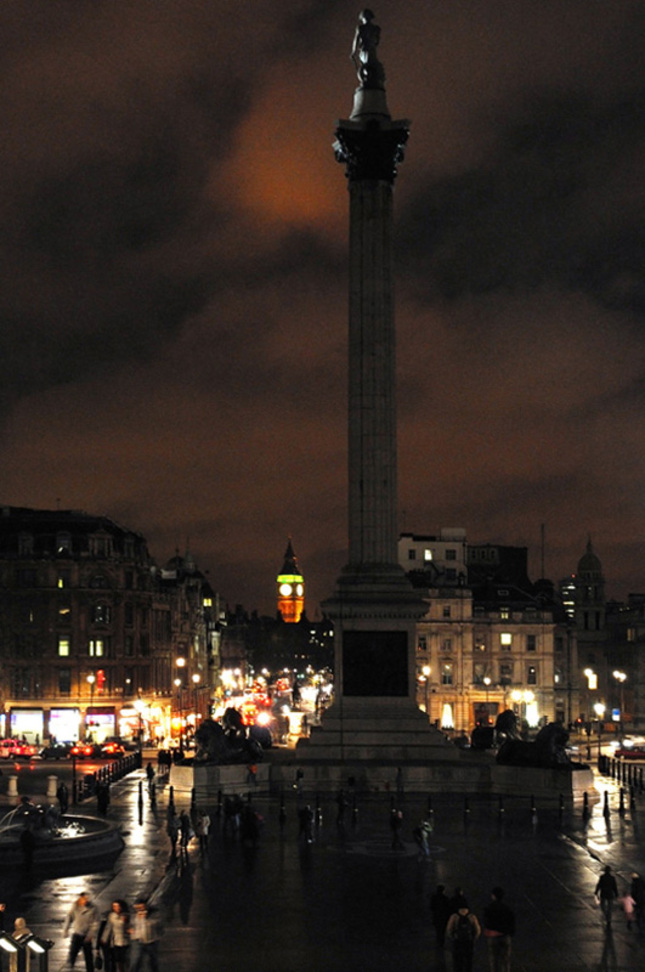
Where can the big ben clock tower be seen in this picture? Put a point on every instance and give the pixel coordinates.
(291, 588)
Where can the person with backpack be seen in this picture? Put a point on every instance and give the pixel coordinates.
(462, 932)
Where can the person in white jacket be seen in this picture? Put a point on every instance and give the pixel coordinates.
(83, 920)
(115, 937)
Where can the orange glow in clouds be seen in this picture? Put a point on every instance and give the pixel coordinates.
(278, 170)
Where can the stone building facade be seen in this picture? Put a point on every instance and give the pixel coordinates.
(89, 630)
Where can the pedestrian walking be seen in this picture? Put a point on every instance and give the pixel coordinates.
(172, 829)
(185, 831)
(115, 937)
(629, 909)
(396, 822)
(145, 932)
(499, 928)
(103, 797)
(422, 837)
(202, 829)
(306, 824)
(462, 931)
(606, 892)
(83, 920)
(150, 774)
(63, 797)
(440, 910)
(637, 891)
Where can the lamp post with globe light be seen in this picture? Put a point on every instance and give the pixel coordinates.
(91, 679)
(181, 664)
(621, 678)
(426, 674)
(599, 709)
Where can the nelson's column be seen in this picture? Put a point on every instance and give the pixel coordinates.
(374, 718)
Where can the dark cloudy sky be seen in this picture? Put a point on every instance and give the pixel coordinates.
(173, 244)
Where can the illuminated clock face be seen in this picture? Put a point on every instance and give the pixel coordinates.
(286, 590)
(299, 590)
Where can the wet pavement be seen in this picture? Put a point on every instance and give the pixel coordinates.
(350, 901)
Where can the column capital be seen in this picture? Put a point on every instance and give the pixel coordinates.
(371, 149)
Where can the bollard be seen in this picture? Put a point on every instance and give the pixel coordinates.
(140, 792)
(533, 808)
(429, 805)
(193, 800)
(52, 787)
(319, 817)
(605, 809)
(632, 798)
(621, 801)
(171, 798)
(12, 786)
(219, 803)
(354, 811)
(466, 808)
(585, 805)
(500, 806)
(153, 795)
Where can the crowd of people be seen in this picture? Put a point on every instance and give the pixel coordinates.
(123, 941)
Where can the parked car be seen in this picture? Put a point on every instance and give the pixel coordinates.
(16, 749)
(57, 751)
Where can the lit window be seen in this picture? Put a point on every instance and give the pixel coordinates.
(63, 581)
(95, 647)
(427, 554)
(531, 678)
(504, 613)
(63, 647)
(506, 639)
(208, 602)
(446, 674)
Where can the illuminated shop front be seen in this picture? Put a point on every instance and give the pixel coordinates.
(29, 723)
(64, 724)
(100, 723)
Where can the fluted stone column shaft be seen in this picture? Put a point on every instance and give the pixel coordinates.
(372, 406)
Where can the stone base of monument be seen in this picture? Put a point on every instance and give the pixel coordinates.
(392, 731)
(546, 784)
(468, 773)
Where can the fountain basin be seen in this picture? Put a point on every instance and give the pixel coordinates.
(84, 844)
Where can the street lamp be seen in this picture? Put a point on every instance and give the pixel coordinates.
(599, 709)
(91, 679)
(487, 680)
(621, 677)
(196, 680)
(426, 674)
(140, 705)
(181, 715)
